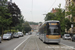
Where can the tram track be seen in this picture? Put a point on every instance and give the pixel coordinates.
(37, 45)
(34, 43)
(33, 46)
(26, 45)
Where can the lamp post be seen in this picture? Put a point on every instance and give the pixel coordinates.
(72, 28)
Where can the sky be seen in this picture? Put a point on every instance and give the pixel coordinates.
(33, 10)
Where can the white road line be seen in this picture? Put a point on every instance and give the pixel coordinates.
(66, 45)
(21, 43)
(25, 45)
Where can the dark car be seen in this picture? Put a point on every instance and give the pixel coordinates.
(73, 38)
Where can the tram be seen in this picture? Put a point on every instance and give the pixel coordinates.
(49, 32)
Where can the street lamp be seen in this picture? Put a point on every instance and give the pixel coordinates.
(72, 28)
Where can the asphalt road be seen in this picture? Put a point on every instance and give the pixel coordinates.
(11, 44)
(32, 42)
(68, 42)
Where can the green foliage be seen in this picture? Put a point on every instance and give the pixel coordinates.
(59, 15)
(50, 16)
(27, 27)
(4, 20)
(71, 11)
(9, 31)
(33, 23)
(20, 25)
(23, 26)
(67, 23)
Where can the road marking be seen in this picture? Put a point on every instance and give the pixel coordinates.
(67, 45)
(37, 44)
(21, 43)
(26, 45)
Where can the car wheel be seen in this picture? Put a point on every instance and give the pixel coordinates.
(0, 41)
(72, 40)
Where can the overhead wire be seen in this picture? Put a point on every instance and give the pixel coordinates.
(32, 11)
(51, 6)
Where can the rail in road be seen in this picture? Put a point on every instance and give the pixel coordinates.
(34, 43)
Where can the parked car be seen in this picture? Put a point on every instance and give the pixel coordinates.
(11, 34)
(26, 33)
(67, 37)
(30, 33)
(7, 36)
(73, 38)
(16, 35)
(0, 39)
(20, 34)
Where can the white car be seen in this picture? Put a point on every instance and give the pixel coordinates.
(67, 37)
(26, 33)
(7, 36)
(20, 34)
(0, 39)
(16, 35)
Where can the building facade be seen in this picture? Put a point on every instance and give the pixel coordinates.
(53, 10)
(69, 2)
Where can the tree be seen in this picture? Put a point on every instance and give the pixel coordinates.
(59, 15)
(15, 14)
(4, 20)
(71, 11)
(26, 27)
(67, 23)
(20, 25)
(50, 16)
(33, 23)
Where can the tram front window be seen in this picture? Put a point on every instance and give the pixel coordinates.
(53, 31)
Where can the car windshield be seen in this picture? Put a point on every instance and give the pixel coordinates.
(67, 35)
(15, 33)
(19, 33)
(6, 35)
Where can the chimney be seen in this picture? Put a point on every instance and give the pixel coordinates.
(53, 9)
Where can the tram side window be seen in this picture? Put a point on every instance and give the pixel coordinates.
(45, 30)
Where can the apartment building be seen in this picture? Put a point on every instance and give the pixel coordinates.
(69, 2)
(4, 3)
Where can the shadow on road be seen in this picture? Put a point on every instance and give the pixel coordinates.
(51, 43)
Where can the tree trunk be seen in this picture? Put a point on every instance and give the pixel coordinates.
(10, 28)
(2, 32)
